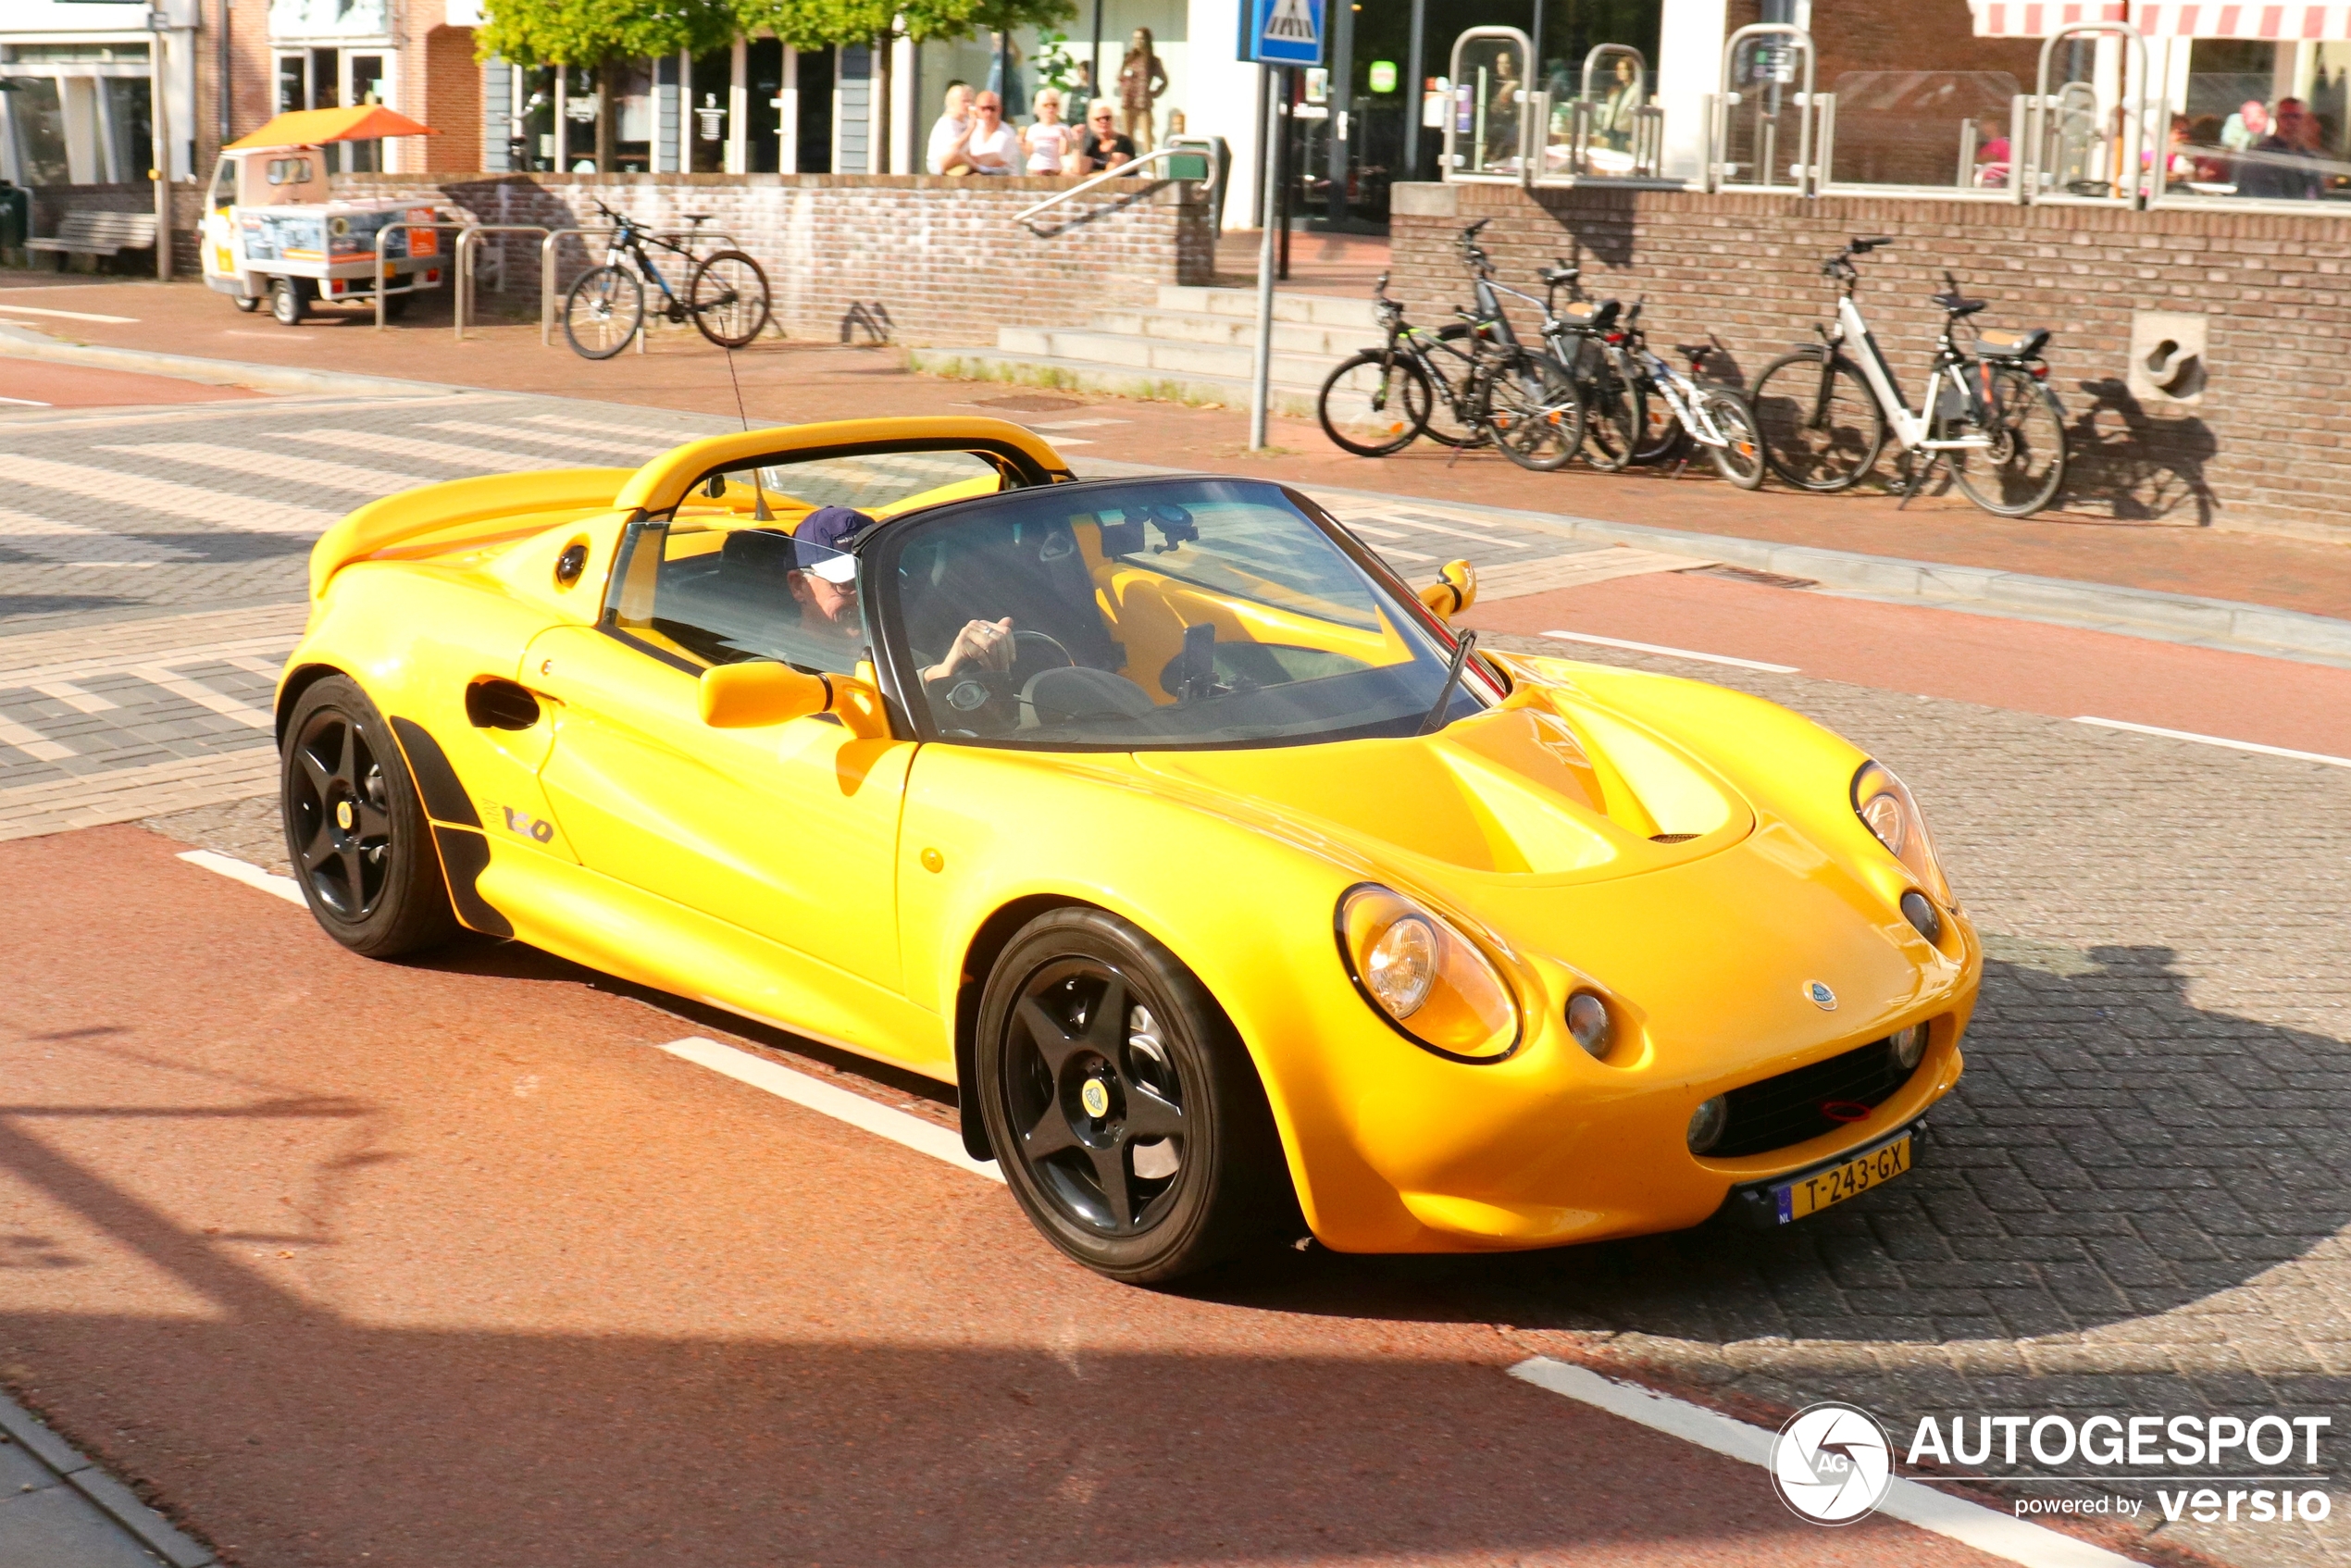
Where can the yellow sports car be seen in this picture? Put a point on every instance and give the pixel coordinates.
(1239, 896)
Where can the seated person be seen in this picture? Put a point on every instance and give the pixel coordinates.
(824, 583)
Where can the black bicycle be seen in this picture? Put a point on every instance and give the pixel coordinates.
(726, 295)
(1586, 341)
(1988, 417)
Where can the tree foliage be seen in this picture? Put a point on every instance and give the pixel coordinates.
(589, 32)
(816, 24)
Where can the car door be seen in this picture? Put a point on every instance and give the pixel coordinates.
(788, 832)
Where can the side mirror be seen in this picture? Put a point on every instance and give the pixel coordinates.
(762, 693)
(750, 696)
(1454, 590)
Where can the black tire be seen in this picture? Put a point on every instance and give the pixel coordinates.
(604, 311)
(1743, 461)
(1090, 1033)
(1538, 419)
(727, 297)
(2027, 466)
(1443, 426)
(1374, 403)
(1662, 438)
(248, 303)
(355, 828)
(1614, 420)
(290, 299)
(1813, 442)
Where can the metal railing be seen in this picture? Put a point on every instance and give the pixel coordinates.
(1765, 155)
(466, 244)
(1477, 150)
(2044, 159)
(1208, 159)
(383, 273)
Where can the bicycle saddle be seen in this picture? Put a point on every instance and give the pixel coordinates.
(1559, 274)
(1959, 306)
(695, 218)
(1693, 350)
(1591, 316)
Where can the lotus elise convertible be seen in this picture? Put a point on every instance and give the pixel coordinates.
(1240, 898)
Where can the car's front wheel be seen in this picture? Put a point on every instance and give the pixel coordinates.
(356, 829)
(1124, 1113)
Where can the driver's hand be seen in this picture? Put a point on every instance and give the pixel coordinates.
(988, 644)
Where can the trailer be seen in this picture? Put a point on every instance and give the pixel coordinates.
(272, 230)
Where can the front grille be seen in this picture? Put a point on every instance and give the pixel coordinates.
(1784, 1110)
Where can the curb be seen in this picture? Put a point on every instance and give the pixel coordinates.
(154, 1532)
(2228, 625)
(23, 342)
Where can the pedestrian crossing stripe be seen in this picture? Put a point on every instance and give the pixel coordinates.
(1291, 20)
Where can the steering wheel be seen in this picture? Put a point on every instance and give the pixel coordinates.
(1052, 642)
(977, 688)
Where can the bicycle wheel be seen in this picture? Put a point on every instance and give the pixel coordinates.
(1662, 438)
(2026, 465)
(605, 309)
(1742, 461)
(1448, 398)
(1614, 418)
(1538, 419)
(1822, 430)
(727, 297)
(1374, 403)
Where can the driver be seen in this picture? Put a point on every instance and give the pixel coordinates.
(980, 645)
(824, 578)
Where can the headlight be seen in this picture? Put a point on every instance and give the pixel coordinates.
(1910, 1046)
(1886, 809)
(1707, 1124)
(1430, 982)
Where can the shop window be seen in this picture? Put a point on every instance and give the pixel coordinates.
(712, 83)
(1922, 127)
(38, 114)
(764, 79)
(632, 86)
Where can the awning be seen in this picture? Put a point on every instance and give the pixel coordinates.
(2038, 19)
(311, 128)
(2283, 23)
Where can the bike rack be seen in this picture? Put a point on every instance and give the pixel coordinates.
(467, 245)
(1466, 121)
(547, 272)
(2131, 179)
(383, 261)
(1647, 152)
(1720, 104)
(1211, 167)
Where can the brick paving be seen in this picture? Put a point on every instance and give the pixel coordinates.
(2132, 1203)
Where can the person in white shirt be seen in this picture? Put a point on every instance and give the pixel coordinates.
(994, 147)
(951, 134)
(1049, 143)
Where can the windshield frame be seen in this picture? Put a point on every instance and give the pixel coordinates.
(895, 661)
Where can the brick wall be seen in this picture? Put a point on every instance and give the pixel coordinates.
(917, 259)
(449, 99)
(2268, 450)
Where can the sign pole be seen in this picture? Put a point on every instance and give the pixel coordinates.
(1261, 372)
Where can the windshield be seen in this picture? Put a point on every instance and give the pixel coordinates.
(1151, 614)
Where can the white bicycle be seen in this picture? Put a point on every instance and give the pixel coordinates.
(1683, 411)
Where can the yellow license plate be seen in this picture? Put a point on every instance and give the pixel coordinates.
(1810, 1195)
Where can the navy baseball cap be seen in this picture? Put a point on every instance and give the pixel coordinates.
(820, 545)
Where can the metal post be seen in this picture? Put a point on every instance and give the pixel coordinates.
(1261, 372)
(158, 99)
(1093, 67)
(1416, 91)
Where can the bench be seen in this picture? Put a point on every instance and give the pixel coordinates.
(85, 232)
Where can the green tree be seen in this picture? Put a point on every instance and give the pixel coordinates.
(818, 24)
(597, 35)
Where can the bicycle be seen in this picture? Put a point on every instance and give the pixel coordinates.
(1825, 415)
(726, 297)
(1695, 413)
(1583, 340)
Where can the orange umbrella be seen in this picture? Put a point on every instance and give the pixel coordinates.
(311, 128)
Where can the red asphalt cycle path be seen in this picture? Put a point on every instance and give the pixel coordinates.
(434, 1263)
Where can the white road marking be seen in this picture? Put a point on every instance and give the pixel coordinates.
(68, 315)
(202, 695)
(1987, 1530)
(285, 888)
(1078, 424)
(25, 401)
(25, 525)
(1672, 653)
(557, 422)
(831, 1100)
(1427, 525)
(2217, 741)
(317, 471)
(30, 742)
(577, 444)
(483, 458)
(74, 696)
(251, 666)
(134, 493)
(1576, 568)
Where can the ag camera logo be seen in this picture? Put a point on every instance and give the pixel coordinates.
(1832, 1463)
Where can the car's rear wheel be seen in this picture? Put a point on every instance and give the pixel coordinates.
(1124, 1113)
(356, 829)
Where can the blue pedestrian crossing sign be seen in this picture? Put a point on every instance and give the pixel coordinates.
(1282, 32)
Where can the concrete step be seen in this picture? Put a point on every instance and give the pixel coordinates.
(1322, 310)
(1119, 351)
(1201, 327)
(1295, 399)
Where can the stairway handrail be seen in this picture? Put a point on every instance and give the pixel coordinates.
(1123, 171)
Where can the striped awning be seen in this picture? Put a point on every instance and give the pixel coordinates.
(2038, 19)
(2166, 19)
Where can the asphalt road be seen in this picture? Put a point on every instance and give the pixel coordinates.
(445, 1262)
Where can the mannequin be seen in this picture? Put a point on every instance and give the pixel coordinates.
(1141, 80)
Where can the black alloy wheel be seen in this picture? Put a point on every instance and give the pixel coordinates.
(1127, 1117)
(356, 829)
